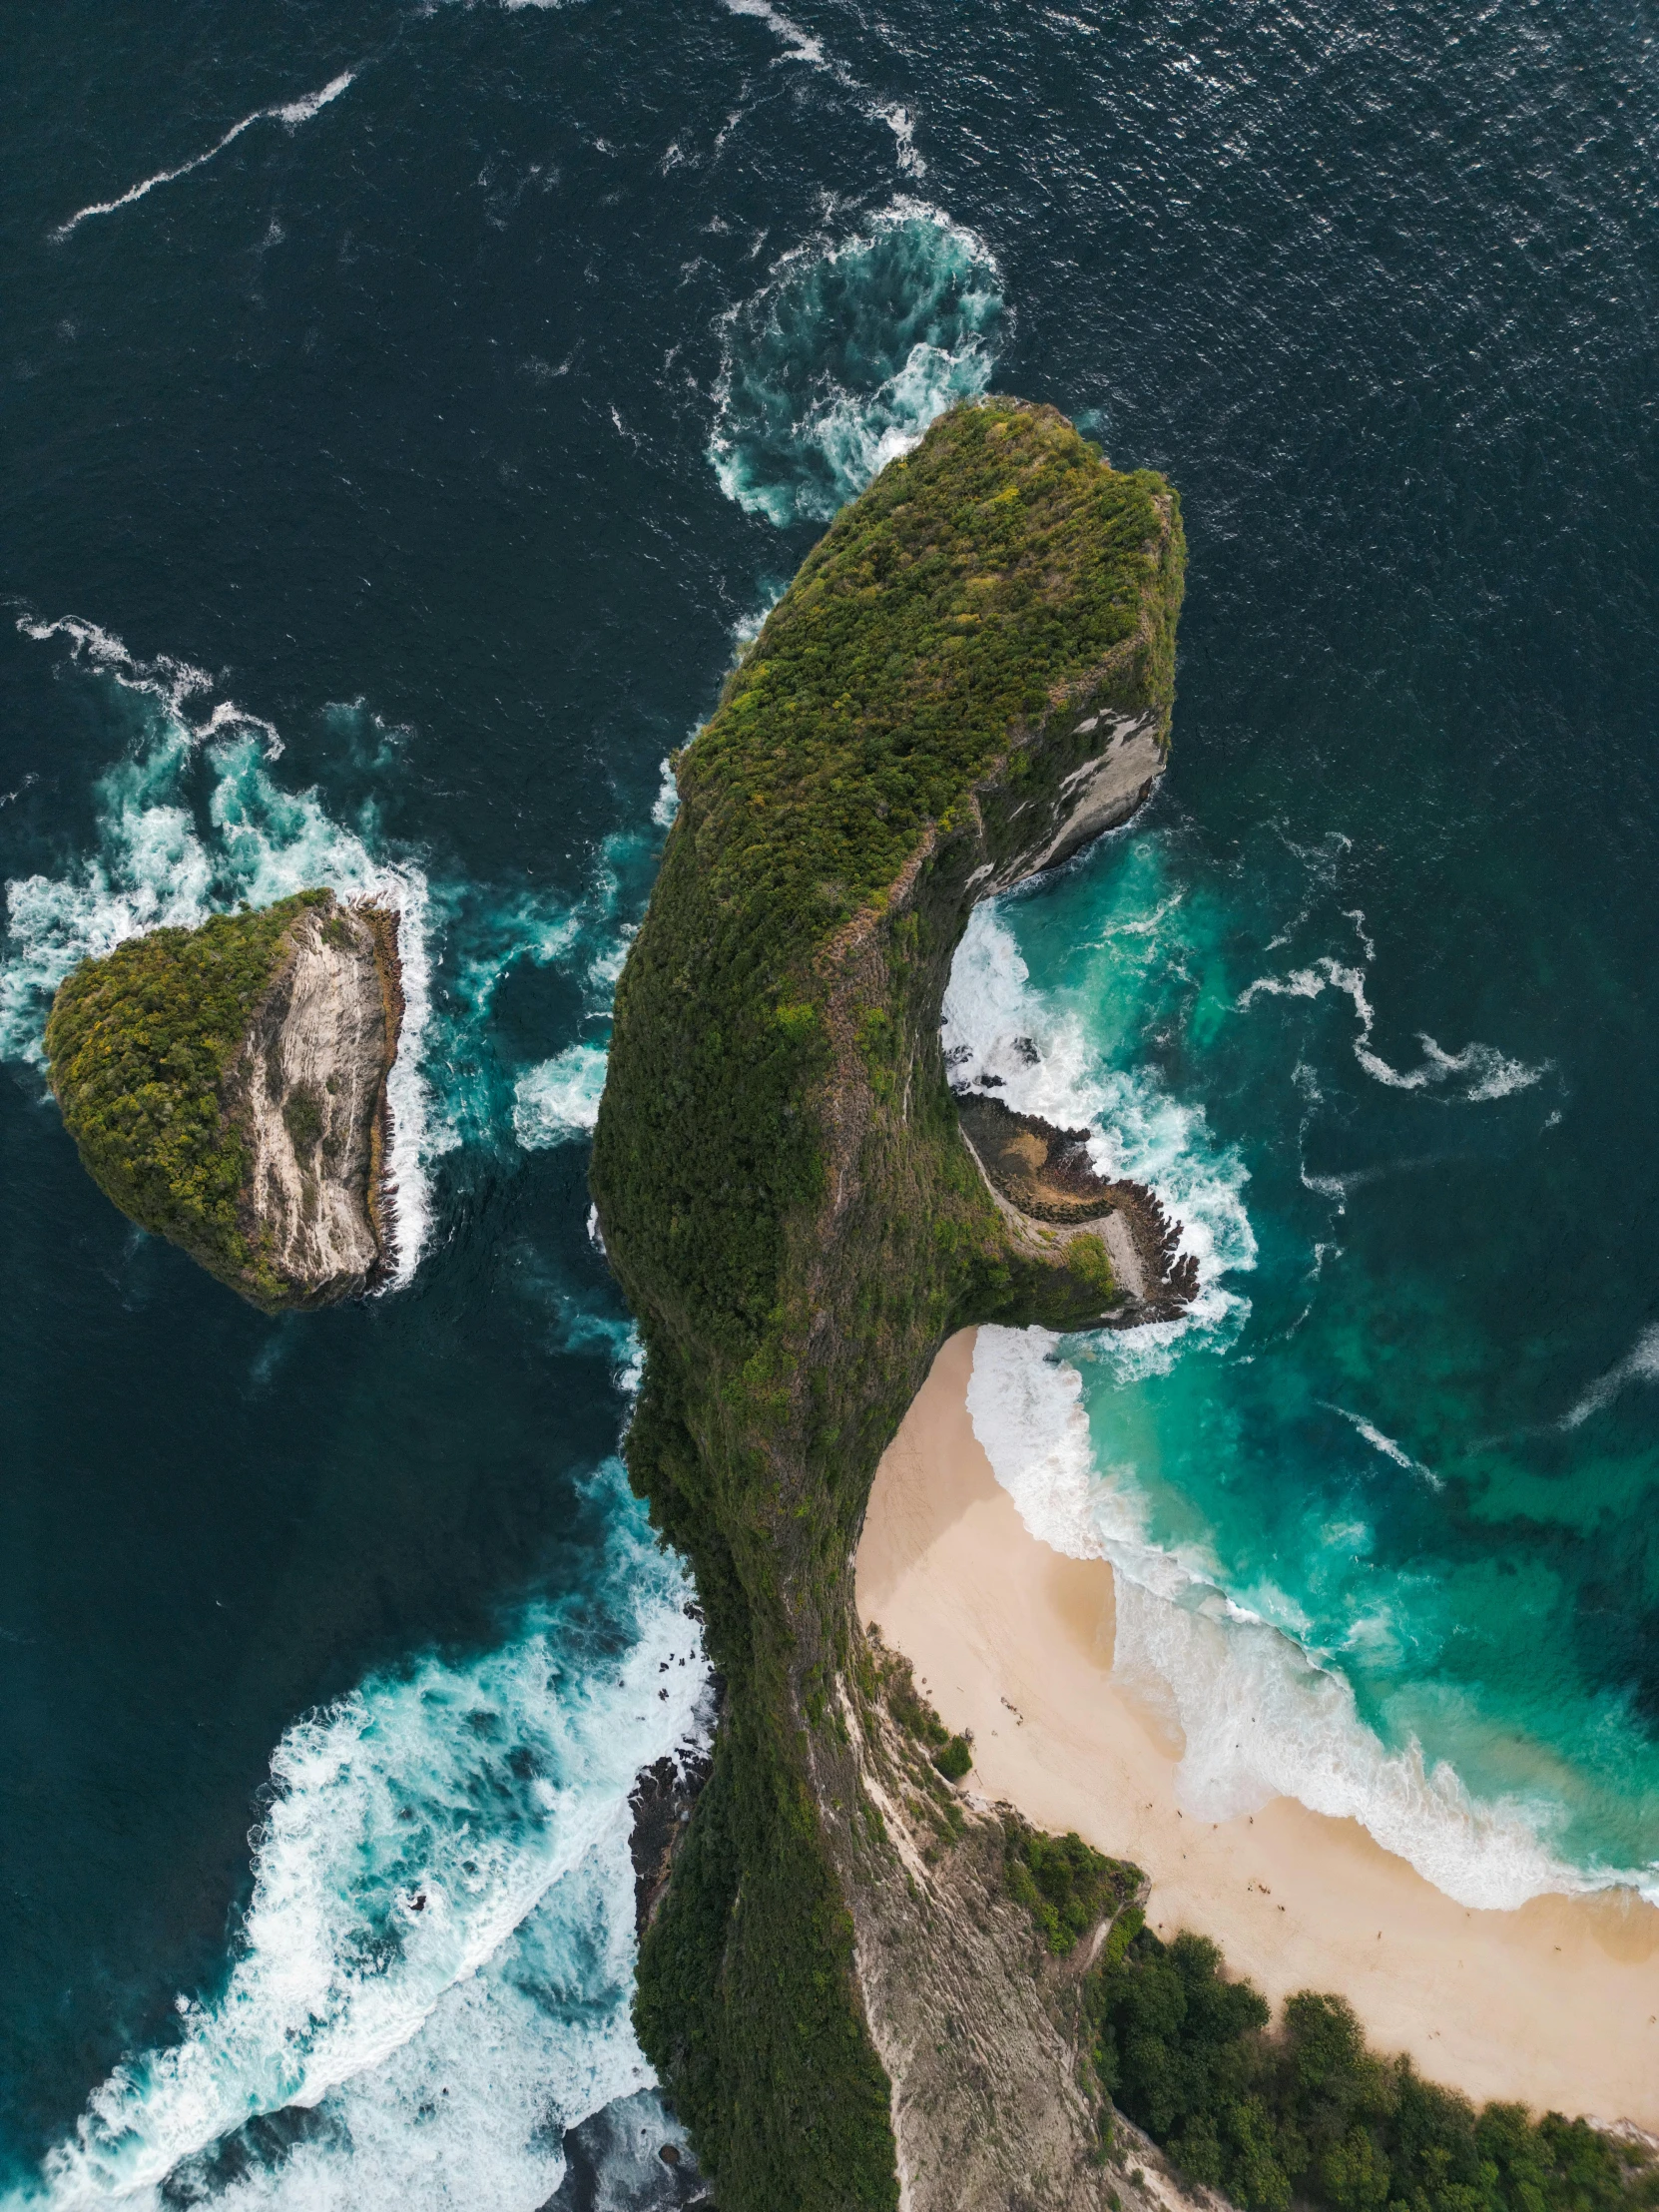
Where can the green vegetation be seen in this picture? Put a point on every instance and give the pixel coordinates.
(954, 1758)
(1067, 1887)
(137, 1045)
(787, 1200)
(1310, 2114)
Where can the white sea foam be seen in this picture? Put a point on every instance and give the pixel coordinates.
(1639, 1364)
(1476, 1073)
(1261, 1717)
(559, 1098)
(1044, 1062)
(1261, 1714)
(844, 356)
(437, 1961)
(1379, 1442)
(799, 45)
(291, 114)
(158, 865)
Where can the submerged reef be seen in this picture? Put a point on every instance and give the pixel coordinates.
(970, 676)
(227, 1088)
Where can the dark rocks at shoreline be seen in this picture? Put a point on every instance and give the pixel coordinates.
(662, 1800)
(1047, 1175)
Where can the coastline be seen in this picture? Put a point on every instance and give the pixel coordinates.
(1555, 2006)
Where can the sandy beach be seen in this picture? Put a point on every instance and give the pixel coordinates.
(1555, 2006)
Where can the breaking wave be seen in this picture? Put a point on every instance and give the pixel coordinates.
(1002, 1034)
(1262, 1717)
(842, 360)
(432, 1979)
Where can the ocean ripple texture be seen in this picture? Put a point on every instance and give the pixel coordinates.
(410, 410)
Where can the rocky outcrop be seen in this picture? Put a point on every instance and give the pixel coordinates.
(308, 1092)
(227, 1088)
(1047, 1176)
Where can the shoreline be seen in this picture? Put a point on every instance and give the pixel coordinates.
(1554, 2005)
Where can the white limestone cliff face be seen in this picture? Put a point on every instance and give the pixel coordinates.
(308, 1094)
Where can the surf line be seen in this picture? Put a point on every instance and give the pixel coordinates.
(290, 112)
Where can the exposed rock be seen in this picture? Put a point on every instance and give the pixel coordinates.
(1046, 1174)
(309, 1092)
(227, 1088)
(660, 1800)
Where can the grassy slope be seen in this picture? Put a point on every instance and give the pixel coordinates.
(787, 1199)
(137, 1044)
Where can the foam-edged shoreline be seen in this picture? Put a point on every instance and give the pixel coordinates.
(1554, 2004)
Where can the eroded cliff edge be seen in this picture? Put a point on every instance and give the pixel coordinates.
(971, 675)
(227, 1088)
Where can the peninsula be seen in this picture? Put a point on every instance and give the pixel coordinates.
(862, 1985)
(970, 676)
(227, 1088)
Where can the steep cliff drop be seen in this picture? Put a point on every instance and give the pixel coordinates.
(227, 1088)
(851, 1989)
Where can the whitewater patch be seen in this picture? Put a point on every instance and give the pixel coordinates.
(291, 114)
(1476, 1074)
(1039, 1057)
(432, 1979)
(1262, 1717)
(559, 1098)
(843, 359)
(194, 822)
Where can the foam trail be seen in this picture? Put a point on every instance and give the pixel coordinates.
(844, 356)
(434, 1972)
(1262, 1717)
(1378, 1442)
(799, 45)
(1641, 1364)
(290, 112)
(1488, 1072)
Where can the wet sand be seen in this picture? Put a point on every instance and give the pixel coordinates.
(1555, 2006)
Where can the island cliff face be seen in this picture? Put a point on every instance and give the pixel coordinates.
(970, 676)
(227, 1088)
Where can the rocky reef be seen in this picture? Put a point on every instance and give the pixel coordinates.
(227, 1088)
(971, 674)
(1045, 1175)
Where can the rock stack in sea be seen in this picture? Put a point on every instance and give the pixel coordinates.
(227, 1088)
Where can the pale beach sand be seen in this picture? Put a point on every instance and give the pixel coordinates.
(1555, 2006)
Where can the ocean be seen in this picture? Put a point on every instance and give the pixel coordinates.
(411, 411)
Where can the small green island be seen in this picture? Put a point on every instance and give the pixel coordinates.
(860, 1984)
(225, 1088)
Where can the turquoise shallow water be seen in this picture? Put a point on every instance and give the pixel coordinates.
(389, 478)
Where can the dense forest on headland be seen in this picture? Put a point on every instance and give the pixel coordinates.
(785, 1196)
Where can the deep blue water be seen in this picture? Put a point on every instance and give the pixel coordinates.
(385, 497)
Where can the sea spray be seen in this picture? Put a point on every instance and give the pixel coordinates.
(847, 354)
(435, 1965)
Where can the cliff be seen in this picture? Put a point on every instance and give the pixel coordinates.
(970, 676)
(227, 1088)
